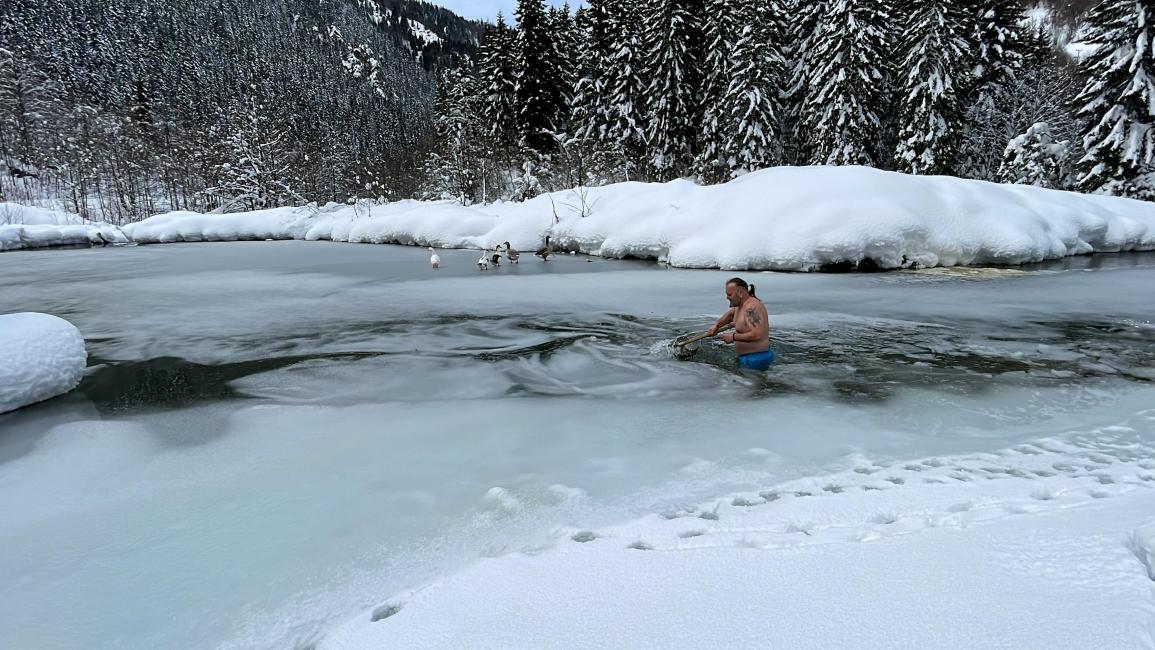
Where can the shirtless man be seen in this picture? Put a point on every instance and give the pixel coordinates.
(751, 335)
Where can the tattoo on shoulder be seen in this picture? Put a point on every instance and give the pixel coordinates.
(753, 317)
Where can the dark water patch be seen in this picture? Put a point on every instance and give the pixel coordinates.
(865, 265)
(542, 350)
(865, 362)
(171, 382)
(1094, 262)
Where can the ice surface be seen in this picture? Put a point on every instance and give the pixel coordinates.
(278, 438)
(785, 218)
(41, 356)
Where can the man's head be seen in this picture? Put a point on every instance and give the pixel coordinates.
(737, 291)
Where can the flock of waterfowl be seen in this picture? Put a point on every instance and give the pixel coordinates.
(494, 259)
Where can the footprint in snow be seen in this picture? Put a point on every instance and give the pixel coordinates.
(774, 496)
(383, 612)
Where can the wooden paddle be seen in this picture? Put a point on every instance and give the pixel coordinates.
(682, 344)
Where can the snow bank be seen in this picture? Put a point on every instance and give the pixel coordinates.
(786, 218)
(25, 215)
(18, 237)
(41, 356)
(1023, 549)
(23, 226)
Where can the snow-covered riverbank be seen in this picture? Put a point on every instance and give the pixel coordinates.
(23, 227)
(786, 218)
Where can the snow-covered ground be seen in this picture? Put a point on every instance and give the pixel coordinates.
(1044, 545)
(24, 226)
(786, 218)
(41, 356)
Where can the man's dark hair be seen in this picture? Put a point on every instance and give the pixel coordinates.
(742, 283)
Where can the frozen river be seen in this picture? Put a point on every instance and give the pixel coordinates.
(273, 436)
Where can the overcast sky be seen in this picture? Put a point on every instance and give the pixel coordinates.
(487, 9)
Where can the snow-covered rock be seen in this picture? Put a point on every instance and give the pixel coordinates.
(41, 356)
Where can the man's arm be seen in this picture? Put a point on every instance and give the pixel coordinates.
(721, 322)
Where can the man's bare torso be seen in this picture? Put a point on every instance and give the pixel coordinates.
(748, 317)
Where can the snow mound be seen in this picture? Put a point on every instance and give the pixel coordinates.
(44, 236)
(23, 226)
(785, 219)
(24, 215)
(41, 356)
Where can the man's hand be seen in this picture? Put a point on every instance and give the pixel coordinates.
(712, 331)
(728, 337)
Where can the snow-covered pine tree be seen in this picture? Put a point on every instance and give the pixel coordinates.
(30, 103)
(624, 135)
(1118, 100)
(673, 41)
(451, 170)
(1036, 158)
(538, 91)
(1045, 88)
(753, 104)
(256, 172)
(998, 46)
(565, 42)
(591, 25)
(498, 81)
(998, 37)
(808, 21)
(933, 64)
(847, 84)
(721, 34)
(590, 105)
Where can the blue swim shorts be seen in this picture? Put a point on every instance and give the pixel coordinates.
(756, 360)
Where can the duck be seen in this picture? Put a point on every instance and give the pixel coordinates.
(511, 253)
(545, 251)
(495, 259)
(434, 258)
(483, 263)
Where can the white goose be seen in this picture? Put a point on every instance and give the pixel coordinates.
(434, 258)
(483, 263)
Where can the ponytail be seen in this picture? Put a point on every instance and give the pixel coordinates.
(752, 291)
